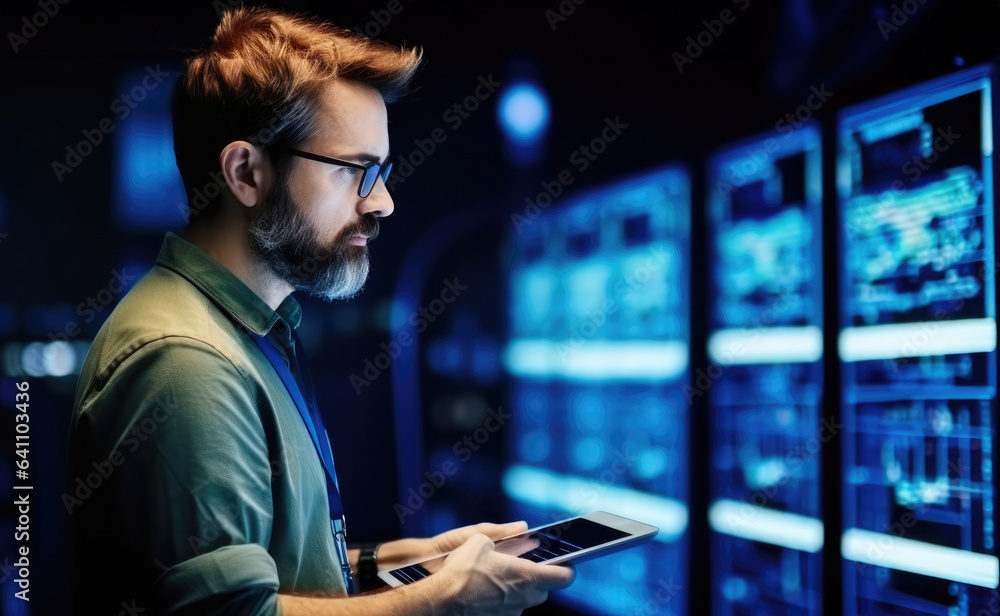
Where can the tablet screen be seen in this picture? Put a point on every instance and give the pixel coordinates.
(560, 539)
(540, 545)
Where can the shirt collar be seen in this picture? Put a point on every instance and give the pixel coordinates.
(224, 288)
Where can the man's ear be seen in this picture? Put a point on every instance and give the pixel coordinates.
(247, 172)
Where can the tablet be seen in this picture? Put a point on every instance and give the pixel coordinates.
(572, 540)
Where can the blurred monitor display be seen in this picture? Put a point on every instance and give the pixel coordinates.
(147, 189)
(764, 379)
(597, 360)
(918, 349)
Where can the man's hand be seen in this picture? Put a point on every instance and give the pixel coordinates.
(475, 580)
(455, 538)
(406, 551)
(483, 581)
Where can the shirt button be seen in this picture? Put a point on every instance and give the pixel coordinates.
(281, 327)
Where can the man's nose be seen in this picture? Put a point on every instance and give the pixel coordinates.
(378, 201)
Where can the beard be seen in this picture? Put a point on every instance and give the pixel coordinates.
(282, 239)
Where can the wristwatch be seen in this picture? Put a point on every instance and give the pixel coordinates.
(368, 567)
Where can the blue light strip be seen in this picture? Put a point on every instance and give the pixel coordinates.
(987, 119)
(775, 345)
(577, 496)
(938, 561)
(890, 127)
(921, 339)
(755, 523)
(631, 360)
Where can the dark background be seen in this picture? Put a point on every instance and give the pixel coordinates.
(605, 59)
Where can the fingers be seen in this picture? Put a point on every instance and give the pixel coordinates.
(496, 583)
(535, 575)
(448, 541)
(471, 550)
(478, 543)
(451, 539)
(553, 577)
(499, 531)
(535, 596)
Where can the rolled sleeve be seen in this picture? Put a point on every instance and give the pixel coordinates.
(230, 579)
(192, 495)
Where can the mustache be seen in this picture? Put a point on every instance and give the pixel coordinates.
(368, 225)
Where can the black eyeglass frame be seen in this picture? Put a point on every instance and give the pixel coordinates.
(372, 170)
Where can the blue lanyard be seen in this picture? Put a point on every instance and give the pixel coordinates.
(314, 423)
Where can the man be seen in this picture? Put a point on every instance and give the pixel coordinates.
(215, 490)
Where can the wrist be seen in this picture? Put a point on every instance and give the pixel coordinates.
(444, 592)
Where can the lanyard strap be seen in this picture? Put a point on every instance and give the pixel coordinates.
(314, 423)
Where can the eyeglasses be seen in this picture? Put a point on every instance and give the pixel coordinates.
(372, 170)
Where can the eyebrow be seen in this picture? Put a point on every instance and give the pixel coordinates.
(364, 157)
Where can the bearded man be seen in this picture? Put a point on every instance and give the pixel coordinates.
(217, 491)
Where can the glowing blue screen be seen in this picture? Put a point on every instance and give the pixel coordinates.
(598, 357)
(764, 380)
(918, 350)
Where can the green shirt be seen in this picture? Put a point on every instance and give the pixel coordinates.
(194, 486)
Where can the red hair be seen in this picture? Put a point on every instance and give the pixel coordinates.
(260, 77)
